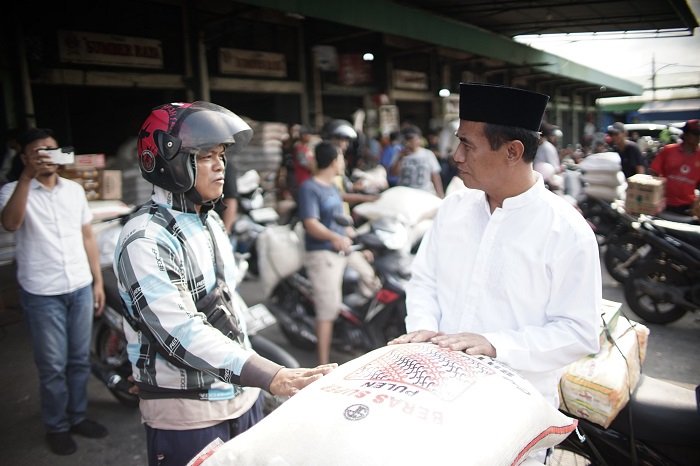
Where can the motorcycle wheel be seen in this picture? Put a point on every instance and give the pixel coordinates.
(297, 325)
(270, 350)
(110, 347)
(657, 309)
(385, 329)
(619, 252)
(566, 454)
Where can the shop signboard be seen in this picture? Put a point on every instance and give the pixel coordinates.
(388, 118)
(414, 80)
(252, 63)
(353, 70)
(109, 49)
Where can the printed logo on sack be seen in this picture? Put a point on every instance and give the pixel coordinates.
(442, 372)
(356, 412)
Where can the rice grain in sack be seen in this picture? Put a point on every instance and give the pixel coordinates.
(411, 404)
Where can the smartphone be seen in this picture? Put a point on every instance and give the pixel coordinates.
(60, 155)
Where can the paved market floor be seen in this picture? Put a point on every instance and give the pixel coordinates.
(671, 354)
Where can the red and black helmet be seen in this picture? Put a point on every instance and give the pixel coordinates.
(174, 133)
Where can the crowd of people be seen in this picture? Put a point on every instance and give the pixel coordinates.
(677, 161)
(485, 279)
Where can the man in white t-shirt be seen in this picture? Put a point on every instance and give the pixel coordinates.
(416, 166)
(60, 282)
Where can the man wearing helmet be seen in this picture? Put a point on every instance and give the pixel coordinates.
(191, 357)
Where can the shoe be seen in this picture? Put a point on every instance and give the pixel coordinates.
(61, 443)
(89, 429)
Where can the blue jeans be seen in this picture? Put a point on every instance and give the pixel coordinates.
(61, 329)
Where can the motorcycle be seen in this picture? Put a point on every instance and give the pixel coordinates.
(109, 358)
(664, 283)
(363, 324)
(613, 228)
(659, 426)
(253, 217)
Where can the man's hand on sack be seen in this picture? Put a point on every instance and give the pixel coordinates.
(470, 343)
(419, 336)
(288, 382)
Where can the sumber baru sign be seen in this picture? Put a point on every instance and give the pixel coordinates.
(252, 63)
(109, 49)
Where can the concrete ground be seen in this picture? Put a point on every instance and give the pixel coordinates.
(672, 355)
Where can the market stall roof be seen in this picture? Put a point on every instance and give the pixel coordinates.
(484, 29)
(513, 18)
(668, 106)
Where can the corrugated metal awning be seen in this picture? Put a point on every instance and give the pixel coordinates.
(668, 106)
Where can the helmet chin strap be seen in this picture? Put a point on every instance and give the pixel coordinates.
(194, 196)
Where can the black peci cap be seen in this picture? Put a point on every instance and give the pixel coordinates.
(501, 105)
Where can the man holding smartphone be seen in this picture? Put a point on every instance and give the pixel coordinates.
(60, 284)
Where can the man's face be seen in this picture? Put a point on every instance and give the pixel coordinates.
(412, 142)
(340, 163)
(478, 166)
(691, 139)
(617, 137)
(342, 143)
(210, 173)
(31, 151)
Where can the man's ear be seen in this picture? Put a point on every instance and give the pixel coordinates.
(515, 151)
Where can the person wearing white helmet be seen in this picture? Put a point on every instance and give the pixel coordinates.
(192, 361)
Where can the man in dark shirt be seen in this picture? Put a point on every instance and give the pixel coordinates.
(630, 155)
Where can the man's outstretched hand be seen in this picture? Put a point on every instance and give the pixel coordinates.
(419, 336)
(288, 381)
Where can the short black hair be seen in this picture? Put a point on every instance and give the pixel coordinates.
(325, 153)
(33, 134)
(497, 135)
(410, 132)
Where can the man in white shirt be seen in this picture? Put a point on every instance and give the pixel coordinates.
(60, 285)
(509, 269)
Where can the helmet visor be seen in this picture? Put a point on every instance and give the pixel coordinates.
(205, 125)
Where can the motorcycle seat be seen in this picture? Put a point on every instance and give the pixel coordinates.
(661, 412)
(683, 231)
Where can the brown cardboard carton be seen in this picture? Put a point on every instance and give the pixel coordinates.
(85, 161)
(645, 194)
(111, 186)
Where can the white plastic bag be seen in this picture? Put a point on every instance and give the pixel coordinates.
(280, 254)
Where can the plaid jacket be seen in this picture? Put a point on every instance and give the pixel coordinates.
(159, 284)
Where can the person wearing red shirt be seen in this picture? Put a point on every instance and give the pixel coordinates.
(303, 157)
(680, 165)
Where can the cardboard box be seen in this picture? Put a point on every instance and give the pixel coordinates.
(111, 186)
(85, 161)
(645, 194)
